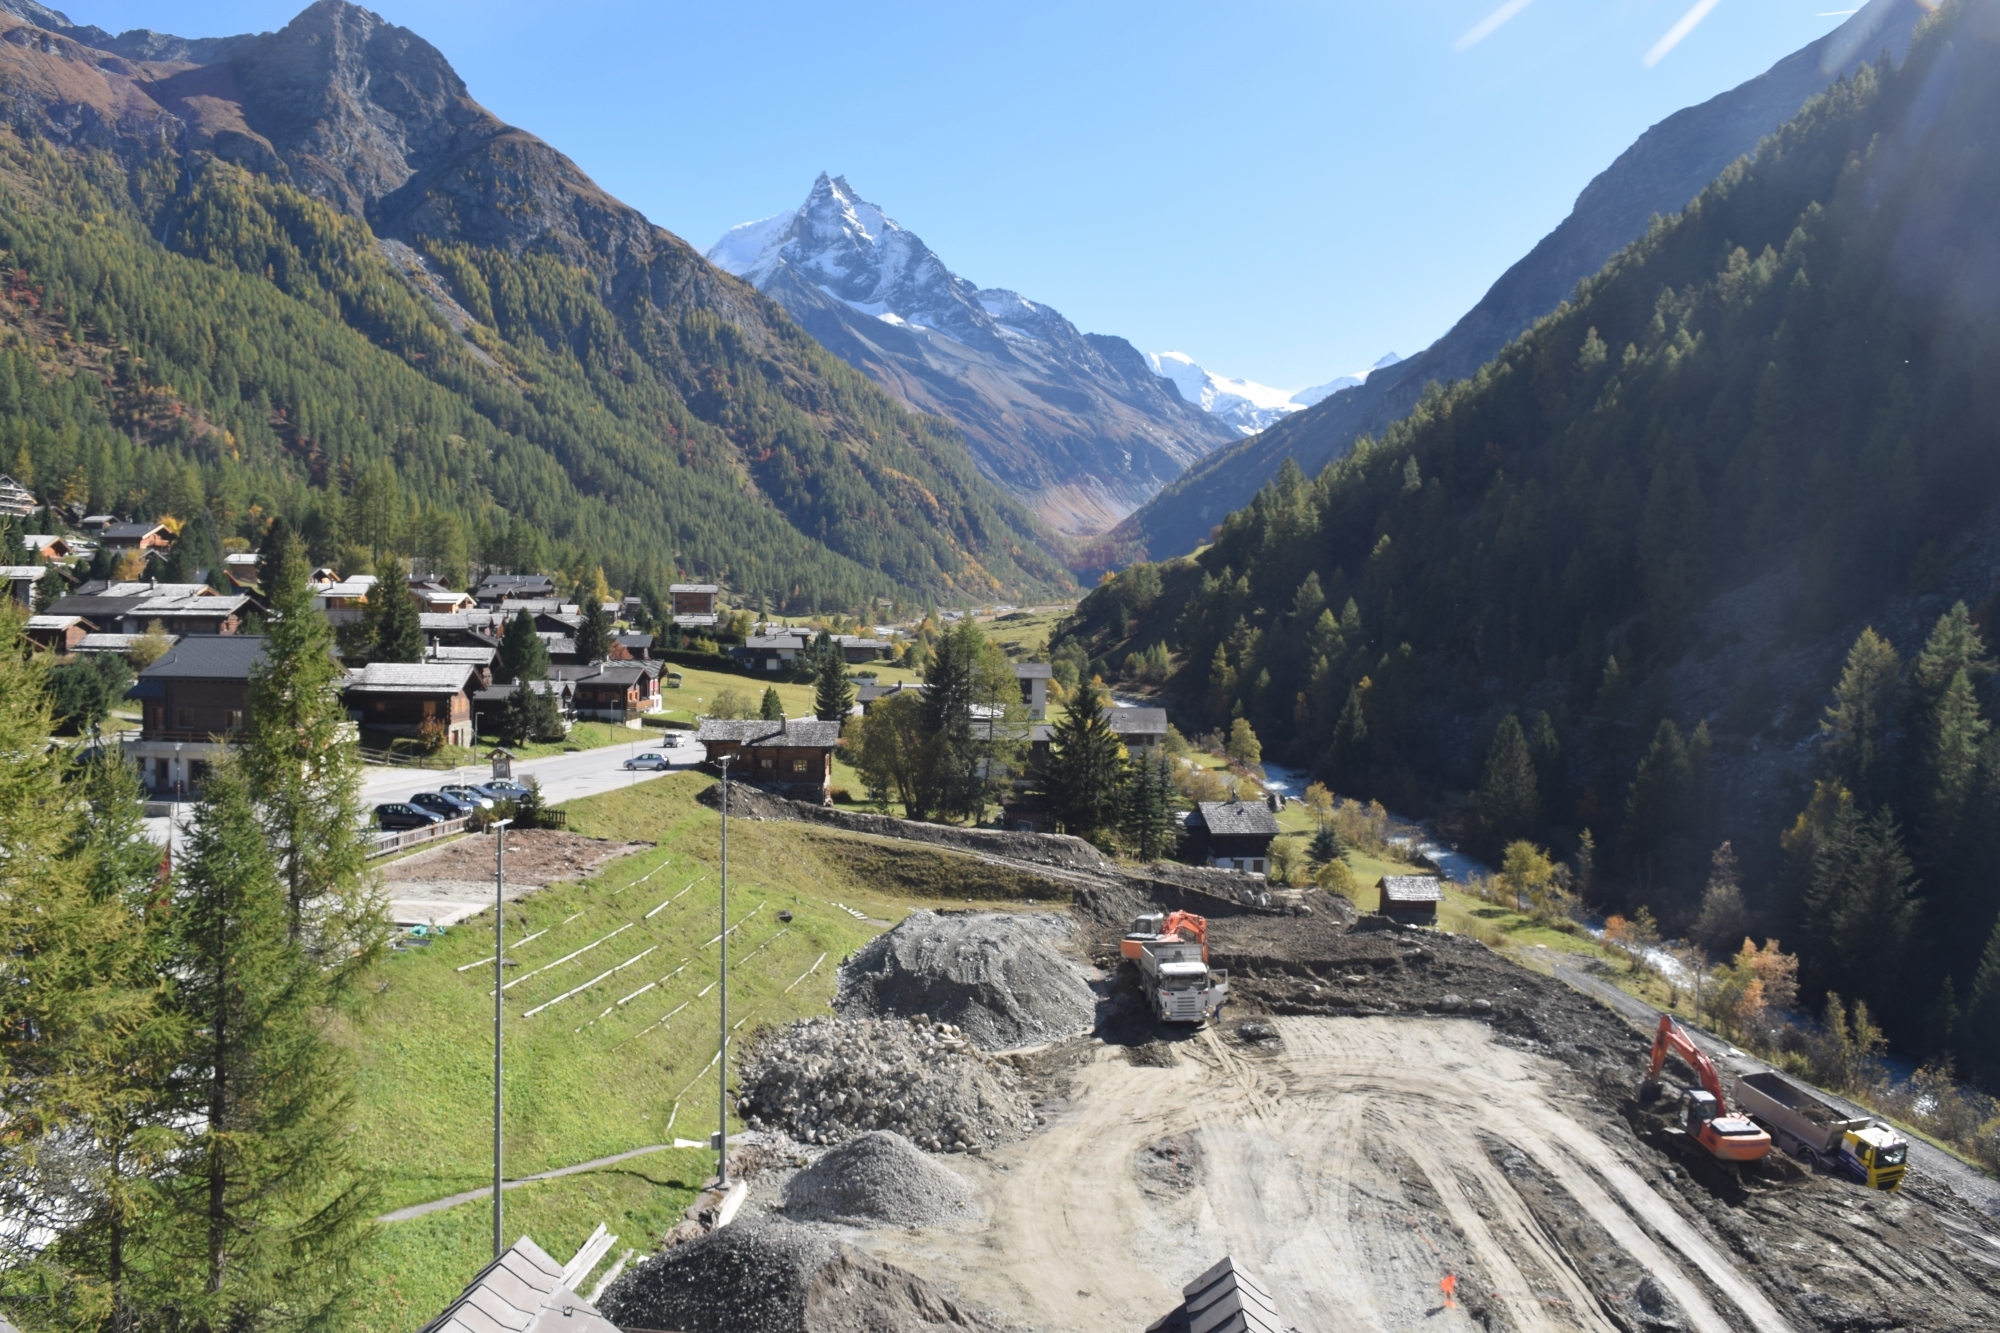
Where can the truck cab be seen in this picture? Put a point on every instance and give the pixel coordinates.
(1180, 987)
(1875, 1155)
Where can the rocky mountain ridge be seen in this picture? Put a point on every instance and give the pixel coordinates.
(1075, 425)
(1245, 404)
(1664, 169)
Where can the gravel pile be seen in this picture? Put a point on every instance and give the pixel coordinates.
(776, 1277)
(825, 1080)
(878, 1179)
(996, 975)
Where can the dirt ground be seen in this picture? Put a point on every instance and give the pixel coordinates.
(442, 885)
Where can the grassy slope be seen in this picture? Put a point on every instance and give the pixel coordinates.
(580, 1084)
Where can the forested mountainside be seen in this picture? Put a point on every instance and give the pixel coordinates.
(1610, 582)
(314, 277)
(1667, 166)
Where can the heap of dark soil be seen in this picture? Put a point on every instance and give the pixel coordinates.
(772, 1276)
(995, 975)
(879, 1179)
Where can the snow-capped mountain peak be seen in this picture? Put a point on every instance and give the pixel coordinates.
(1246, 405)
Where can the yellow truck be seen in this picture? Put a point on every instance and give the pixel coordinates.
(1862, 1147)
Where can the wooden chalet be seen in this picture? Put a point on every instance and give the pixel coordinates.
(1411, 899)
(1233, 835)
(410, 698)
(793, 757)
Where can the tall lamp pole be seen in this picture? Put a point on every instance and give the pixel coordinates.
(499, 891)
(722, 1049)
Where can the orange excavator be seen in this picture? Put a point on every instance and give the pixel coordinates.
(1728, 1136)
(1153, 928)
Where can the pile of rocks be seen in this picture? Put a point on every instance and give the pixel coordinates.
(776, 1277)
(825, 1080)
(997, 975)
(878, 1179)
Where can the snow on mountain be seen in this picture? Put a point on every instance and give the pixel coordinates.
(1245, 405)
(1071, 422)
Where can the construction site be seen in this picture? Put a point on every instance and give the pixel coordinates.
(1070, 1116)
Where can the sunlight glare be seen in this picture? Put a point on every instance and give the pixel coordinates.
(1489, 25)
(1688, 23)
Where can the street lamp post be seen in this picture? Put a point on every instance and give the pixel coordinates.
(722, 1055)
(499, 918)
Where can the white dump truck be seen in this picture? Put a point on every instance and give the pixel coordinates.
(1180, 986)
(1861, 1147)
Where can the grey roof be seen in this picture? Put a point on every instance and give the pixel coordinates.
(110, 643)
(208, 657)
(633, 640)
(694, 587)
(155, 588)
(856, 641)
(562, 689)
(23, 571)
(1413, 888)
(1244, 818)
(498, 583)
(132, 530)
(523, 1291)
(477, 655)
(623, 673)
(806, 732)
(410, 677)
(775, 642)
(53, 621)
(1033, 670)
(1137, 721)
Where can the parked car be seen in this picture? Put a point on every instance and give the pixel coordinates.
(650, 759)
(399, 815)
(439, 803)
(470, 795)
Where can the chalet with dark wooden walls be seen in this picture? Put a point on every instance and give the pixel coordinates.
(190, 700)
(1233, 835)
(793, 757)
(414, 699)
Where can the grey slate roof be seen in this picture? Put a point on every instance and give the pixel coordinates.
(694, 587)
(410, 677)
(802, 732)
(474, 656)
(1033, 671)
(520, 1292)
(1412, 889)
(208, 657)
(1137, 721)
(615, 673)
(128, 531)
(1239, 818)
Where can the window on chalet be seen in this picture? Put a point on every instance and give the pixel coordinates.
(798, 765)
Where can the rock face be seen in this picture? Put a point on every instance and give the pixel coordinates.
(1077, 425)
(1665, 168)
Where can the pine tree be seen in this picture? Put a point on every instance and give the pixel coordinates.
(1325, 847)
(1244, 747)
(1084, 765)
(1350, 734)
(304, 774)
(833, 690)
(1547, 752)
(271, 1209)
(1507, 800)
(196, 556)
(593, 634)
(772, 709)
(1656, 807)
(1146, 817)
(544, 716)
(1724, 921)
(1980, 1025)
(951, 691)
(522, 655)
(397, 627)
(1864, 707)
(1860, 905)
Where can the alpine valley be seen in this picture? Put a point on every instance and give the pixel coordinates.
(303, 272)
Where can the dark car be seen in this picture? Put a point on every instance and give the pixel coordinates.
(472, 796)
(442, 803)
(397, 815)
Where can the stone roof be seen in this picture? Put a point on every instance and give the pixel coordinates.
(694, 587)
(410, 677)
(1238, 818)
(53, 622)
(802, 732)
(478, 656)
(616, 673)
(562, 689)
(523, 1291)
(1137, 721)
(1033, 670)
(1412, 889)
(130, 531)
(208, 657)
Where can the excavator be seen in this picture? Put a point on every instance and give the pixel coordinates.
(1728, 1136)
(1155, 928)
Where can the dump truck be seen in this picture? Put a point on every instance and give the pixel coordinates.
(1807, 1128)
(1704, 1115)
(1172, 952)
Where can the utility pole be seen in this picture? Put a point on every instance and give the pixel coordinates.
(499, 918)
(722, 1050)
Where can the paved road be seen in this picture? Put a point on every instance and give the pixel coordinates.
(1980, 1190)
(565, 777)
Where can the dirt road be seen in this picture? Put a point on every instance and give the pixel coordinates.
(1354, 1164)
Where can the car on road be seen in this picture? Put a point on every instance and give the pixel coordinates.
(504, 789)
(439, 803)
(470, 795)
(651, 759)
(396, 816)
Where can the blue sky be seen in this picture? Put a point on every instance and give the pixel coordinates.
(1282, 190)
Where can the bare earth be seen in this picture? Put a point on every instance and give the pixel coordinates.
(452, 882)
(1353, 1164)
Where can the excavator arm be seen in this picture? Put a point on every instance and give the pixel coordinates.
(1672, 1037)
(1188, 925)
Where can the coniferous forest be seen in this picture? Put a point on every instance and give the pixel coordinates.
(1609, 584)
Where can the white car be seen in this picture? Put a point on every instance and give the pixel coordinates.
(650, 759)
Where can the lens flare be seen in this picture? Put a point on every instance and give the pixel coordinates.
(1678, 33)
(1489, 25)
